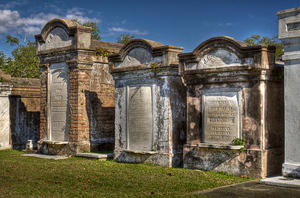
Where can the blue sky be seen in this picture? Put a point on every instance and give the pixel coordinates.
(184, 23)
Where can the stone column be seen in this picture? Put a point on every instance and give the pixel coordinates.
(289, 33)
(5, 91)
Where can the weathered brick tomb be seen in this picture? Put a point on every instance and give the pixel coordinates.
(149, 104)
(234, 92)
(77, 91)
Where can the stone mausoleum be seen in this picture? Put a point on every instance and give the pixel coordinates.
(289, 33)
(149, 103)
(234, 108)
(77, 90)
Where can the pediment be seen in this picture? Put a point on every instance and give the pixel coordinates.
(217, 58)
(138, 56)
(57, 38)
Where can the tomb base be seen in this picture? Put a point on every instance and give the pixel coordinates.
(62, 148)
(5, 147)
(162, 159)
(291, 170)
(233, 160)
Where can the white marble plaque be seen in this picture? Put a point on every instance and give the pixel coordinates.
(59, 80)
(221, 117)
(140, 118)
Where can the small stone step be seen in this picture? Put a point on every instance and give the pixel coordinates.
(95, 155)
(43, 156)
(282, 181)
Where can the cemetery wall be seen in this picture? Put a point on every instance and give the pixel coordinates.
(20, 108)
(24, 112)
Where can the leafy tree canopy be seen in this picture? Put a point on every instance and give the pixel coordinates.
(12, 40)
(124, 38)
(24, 63)
(95, 29)
(259, 40)
(2, 59)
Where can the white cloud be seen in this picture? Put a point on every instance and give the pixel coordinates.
(119, 29)
(11, 22)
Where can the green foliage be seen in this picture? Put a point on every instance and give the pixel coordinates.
(95, 33)
(78, 177)
(102, 52)
(2, 59)
(24, 63)
(95, 30)
(238, 141)
(259, 40)
(124, 38)
(154, 66)
(12, 40)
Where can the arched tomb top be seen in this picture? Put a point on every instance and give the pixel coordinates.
(139, 52)
(58, 33)
(142, 53)
(222, 52)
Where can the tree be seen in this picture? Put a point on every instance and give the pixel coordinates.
(124, 38)
(24, 63)
(2, 59)
(12, 40)
(95, 33)
(259, 40)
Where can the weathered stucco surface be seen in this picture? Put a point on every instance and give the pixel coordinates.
(100, 108)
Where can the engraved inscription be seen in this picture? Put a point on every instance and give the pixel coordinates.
(140, 118)
(221, 117)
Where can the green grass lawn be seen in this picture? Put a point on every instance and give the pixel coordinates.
(78, 177)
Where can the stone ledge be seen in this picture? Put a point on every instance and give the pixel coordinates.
(43, 156)
(282, 181)
(5, 147)
(95, 155)
(53, 142)
(140, 152)
(220, 146)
